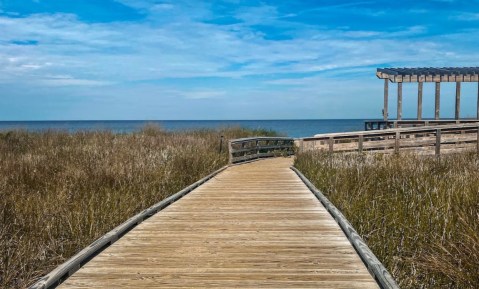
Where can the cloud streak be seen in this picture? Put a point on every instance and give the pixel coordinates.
(259, 49)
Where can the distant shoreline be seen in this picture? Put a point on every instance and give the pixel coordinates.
(292, 128)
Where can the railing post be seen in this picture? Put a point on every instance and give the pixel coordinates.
(477, 144)
(396, 142)
(360, 143)
(438, 142)
(257, 147)
(331, 144)
(230, 152)
(221, 144)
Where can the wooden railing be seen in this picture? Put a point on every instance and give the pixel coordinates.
(385, 124)
(246, 149)
(435, 139)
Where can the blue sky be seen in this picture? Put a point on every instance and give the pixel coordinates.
(150, 59)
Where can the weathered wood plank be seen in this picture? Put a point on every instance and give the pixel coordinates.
(254, 225)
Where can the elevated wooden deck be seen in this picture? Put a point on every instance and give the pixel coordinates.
(254, 225)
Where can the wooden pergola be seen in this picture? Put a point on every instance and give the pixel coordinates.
(421, 75)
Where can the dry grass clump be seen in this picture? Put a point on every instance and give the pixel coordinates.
(60, 191)
(420, 216)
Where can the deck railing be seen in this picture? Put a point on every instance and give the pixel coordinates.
(435, 139)
(246, 149)
(385, 124)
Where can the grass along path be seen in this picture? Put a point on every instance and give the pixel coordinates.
(60, 191)
(418, 215)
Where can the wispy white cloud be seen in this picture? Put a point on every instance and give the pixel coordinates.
(204, 94)
(68, 80)
(192, 48)
(466, 16)
(181, 40)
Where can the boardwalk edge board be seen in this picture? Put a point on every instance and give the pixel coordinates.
(65, 270)
(375, 267)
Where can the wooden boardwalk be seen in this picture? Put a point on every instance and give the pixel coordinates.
(254, 225)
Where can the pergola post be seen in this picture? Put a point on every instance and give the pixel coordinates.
(438, 100)
(399, 114)
(386, 92)
(458, 100)
(419, 100)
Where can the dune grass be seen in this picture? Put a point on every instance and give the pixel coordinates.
(60, 191)
(420, 216)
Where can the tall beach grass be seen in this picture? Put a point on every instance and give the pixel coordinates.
(420, 216)
(60, 191)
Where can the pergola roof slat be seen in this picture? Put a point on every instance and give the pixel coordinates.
(413, 74)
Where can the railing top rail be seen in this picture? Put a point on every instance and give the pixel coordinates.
(424, 120)
(259, 138)
(245, 149)
(393, 131)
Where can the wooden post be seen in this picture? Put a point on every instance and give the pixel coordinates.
(438, 100)
(438, 142)
(458, 100)
(221, 144)
(477, 115)
(399, 114)
(419, 100)
(386, 92)
(230, 152)
(360, 143)
(396, 142)
(477, 144)
(331, 144)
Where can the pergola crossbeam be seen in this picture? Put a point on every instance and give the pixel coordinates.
(430, 74)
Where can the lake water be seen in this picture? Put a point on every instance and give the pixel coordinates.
(292, 128)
